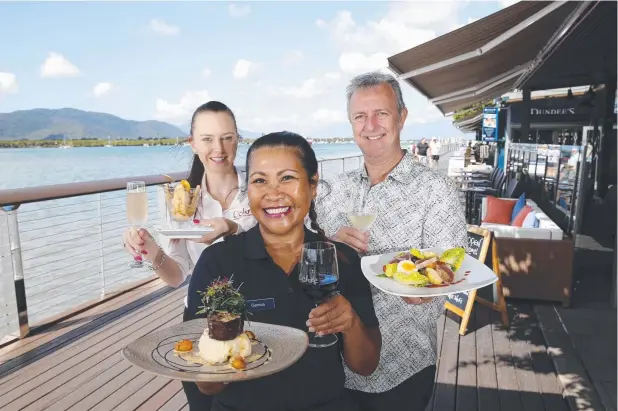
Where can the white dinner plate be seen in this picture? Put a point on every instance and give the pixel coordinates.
(471, 275)
(184, 233)
(275, 349)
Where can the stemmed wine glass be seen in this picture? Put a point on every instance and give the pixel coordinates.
(360, 214)
(137, 209)
(319, 278)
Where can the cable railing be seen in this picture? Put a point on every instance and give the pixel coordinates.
(60, 245)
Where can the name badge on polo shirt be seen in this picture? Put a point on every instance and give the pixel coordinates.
(261, 305)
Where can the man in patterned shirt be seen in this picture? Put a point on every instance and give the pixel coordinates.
(416, 208)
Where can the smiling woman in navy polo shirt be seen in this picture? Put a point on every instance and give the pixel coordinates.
(282, 178)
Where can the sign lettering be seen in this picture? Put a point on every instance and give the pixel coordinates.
(262, 304)
(245, 212)
(552, 111)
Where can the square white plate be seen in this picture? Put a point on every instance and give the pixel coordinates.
(471, 275)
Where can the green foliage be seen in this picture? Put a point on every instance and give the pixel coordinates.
(222, 297)
(472, 111)
(86, 142)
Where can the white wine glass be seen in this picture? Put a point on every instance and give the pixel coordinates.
(360, 214)
(137, 210)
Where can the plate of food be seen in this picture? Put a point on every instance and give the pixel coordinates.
(426, 273)
(224, 347)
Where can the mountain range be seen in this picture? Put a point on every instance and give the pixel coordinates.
(41, 124)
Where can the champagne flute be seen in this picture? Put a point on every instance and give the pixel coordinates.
(361, 215)
(137, 209)
(319, 278)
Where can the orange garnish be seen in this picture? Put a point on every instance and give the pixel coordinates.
(185, 184)
(183, 346)
(238, 363)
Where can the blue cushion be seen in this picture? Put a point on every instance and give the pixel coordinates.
(530, 220)
(519, 205)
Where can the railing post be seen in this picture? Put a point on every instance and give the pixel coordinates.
(101, 253)
(18, 270)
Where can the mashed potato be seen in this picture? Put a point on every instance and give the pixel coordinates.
(215, 351)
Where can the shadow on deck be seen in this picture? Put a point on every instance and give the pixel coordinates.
(77, 365)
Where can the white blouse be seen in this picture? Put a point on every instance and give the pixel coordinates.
(187, 252)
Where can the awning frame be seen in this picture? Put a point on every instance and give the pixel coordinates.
(556, 41)
(490, 45)
(481, 87)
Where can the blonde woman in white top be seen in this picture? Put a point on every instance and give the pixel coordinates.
(223, 204)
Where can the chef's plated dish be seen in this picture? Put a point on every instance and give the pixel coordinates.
(224, 347)
(426, 272)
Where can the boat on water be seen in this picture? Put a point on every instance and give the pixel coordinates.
(64, 143)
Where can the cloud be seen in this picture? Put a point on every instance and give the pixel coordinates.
(102, 89)
(206, 72)
(164, 29)
(180, 111)
(292, 58)
(239, 11)
(56, 65)
(244, 68)
(356, 63)
(507, 3)
(328, 116)
(311, 101)
(8, 83)
(309, 88)
(365, 45)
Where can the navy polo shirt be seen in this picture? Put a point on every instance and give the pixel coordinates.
(316, 381)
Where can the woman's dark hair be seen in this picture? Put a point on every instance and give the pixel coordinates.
(307, 157)
(197, 168)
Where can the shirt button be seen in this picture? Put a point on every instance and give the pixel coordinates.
(290, 290)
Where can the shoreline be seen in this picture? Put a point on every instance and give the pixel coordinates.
(21, 144)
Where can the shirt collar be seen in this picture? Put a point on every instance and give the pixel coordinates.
(404, 172)
(241, 185)
(255, 248)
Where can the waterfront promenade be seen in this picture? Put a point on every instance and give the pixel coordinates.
(550, 359)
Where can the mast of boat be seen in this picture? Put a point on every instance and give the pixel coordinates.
(64, 142)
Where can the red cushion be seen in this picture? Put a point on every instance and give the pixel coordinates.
(499, 211)
(519, 218)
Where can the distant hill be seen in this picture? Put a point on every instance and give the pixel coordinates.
(54, 124)
(40, 124)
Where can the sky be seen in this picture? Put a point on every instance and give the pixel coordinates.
(277, 65)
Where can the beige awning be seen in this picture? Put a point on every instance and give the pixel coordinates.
(484, 59)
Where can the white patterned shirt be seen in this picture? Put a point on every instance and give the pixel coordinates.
(416, 208)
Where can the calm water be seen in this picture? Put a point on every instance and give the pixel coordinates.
(71, 248)
(45, 166)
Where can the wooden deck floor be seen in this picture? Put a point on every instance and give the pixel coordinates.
(76, 364)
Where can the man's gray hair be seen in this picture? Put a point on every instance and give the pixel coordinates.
(373, 79)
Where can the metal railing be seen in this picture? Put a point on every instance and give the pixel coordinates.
(60, 245)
